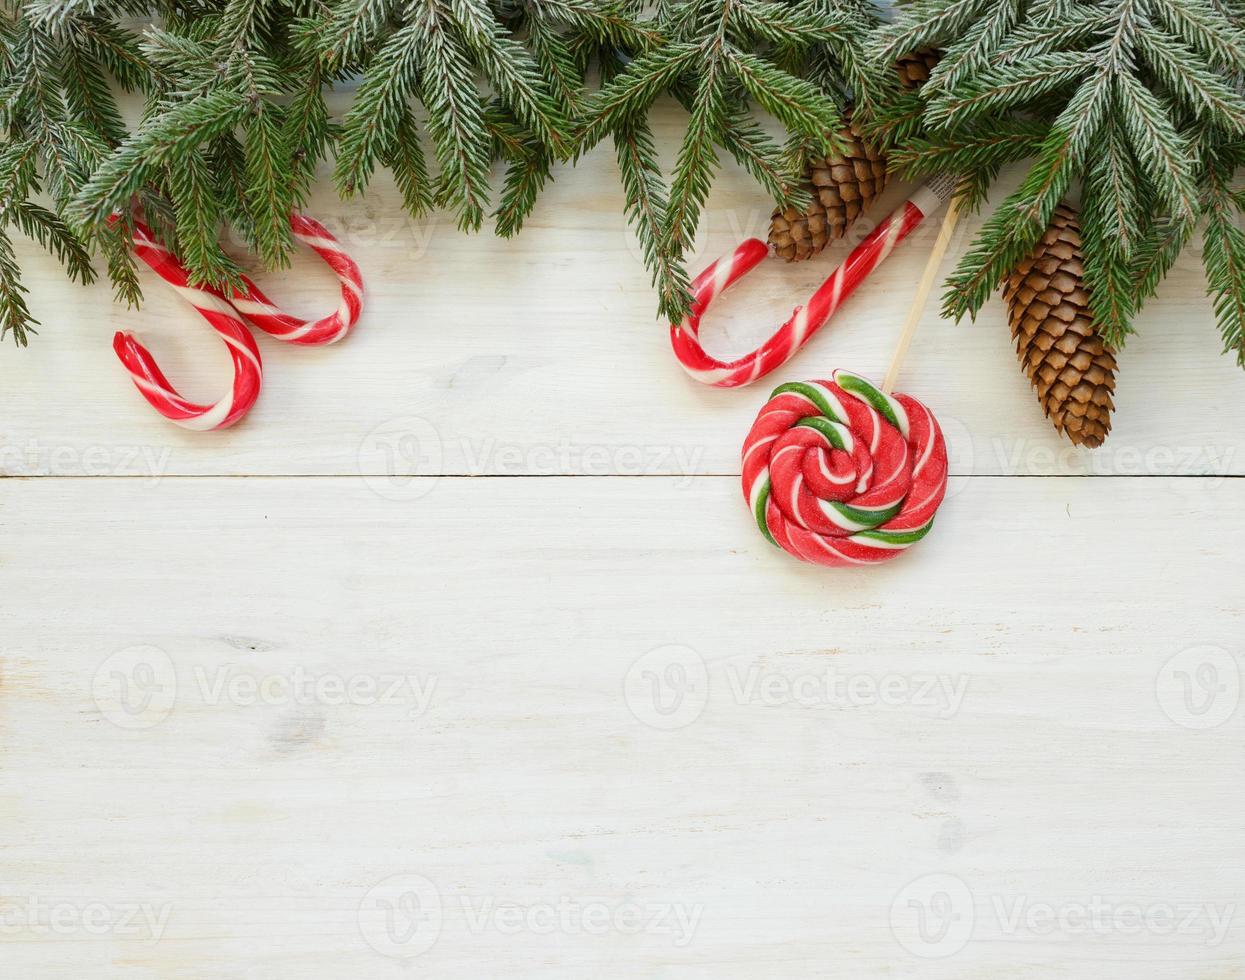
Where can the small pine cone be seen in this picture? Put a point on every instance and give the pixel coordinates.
(914, 68)
(1070, 368)
(842, 186)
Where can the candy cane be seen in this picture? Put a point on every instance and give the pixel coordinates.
(842, 473)
(806, 320)
(262, 312)
(225, 320)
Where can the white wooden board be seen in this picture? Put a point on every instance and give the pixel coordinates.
(619, 707)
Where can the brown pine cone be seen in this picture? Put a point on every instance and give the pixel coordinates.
(914, 68)
(842, 186)
(1070, 368)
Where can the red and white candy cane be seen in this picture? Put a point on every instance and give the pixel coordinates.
(225, 320)
(805, 320)
(261, 311)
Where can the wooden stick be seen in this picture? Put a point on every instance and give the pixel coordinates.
(922, 292)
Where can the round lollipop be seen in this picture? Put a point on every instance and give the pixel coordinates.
(840, 473)
(843, 472)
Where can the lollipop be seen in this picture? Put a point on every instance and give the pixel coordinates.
(843, 472)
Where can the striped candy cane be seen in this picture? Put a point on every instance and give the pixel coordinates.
(805, 320)
(225, 320)
(261, 311)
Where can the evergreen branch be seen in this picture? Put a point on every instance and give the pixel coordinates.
(697, 159)
(923, 25)
(1007, 86)
(88, 98)
(1108, 216)
(1206, 30)
(1201, 91)
(647, 211)
(14, 313)
(1157, 145)
(405, 158)
(753, 150)
(1010, 233)
(526, 176)
(455, 115)
(627, 97)
(197, 221)
(557, 65)
(1223, 255)
(991, 144)
(353, 26)
(1069, 31)
(971, 54)
(269, 195)
(173, 133)
(53, 235)
(513, 73)
(1156, 253)
(794, 102)
(373, 122)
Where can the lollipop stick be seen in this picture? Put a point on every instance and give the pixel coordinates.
(922, 293)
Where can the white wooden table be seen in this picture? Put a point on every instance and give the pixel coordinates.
(461, 658)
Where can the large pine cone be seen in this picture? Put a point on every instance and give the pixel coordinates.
(843, 186)
(1070, 368)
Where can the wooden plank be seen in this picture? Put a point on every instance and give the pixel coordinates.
(542, 356)
(626, 715)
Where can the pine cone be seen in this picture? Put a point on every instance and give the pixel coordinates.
(914, 68)
(843, 186)
(1069, 366)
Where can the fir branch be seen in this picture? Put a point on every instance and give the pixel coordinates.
(925, 24)
(1207, 30)
(373, 122)
(269, 192)
(1223, 255)
(1007, 86)
(1157, 145)
(647, 212)
(14, 313)
(1206, 94)
(697, 160)
(54, 236)
(990, 143)
(456, 115)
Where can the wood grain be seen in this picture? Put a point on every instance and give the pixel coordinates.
(630, 700)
